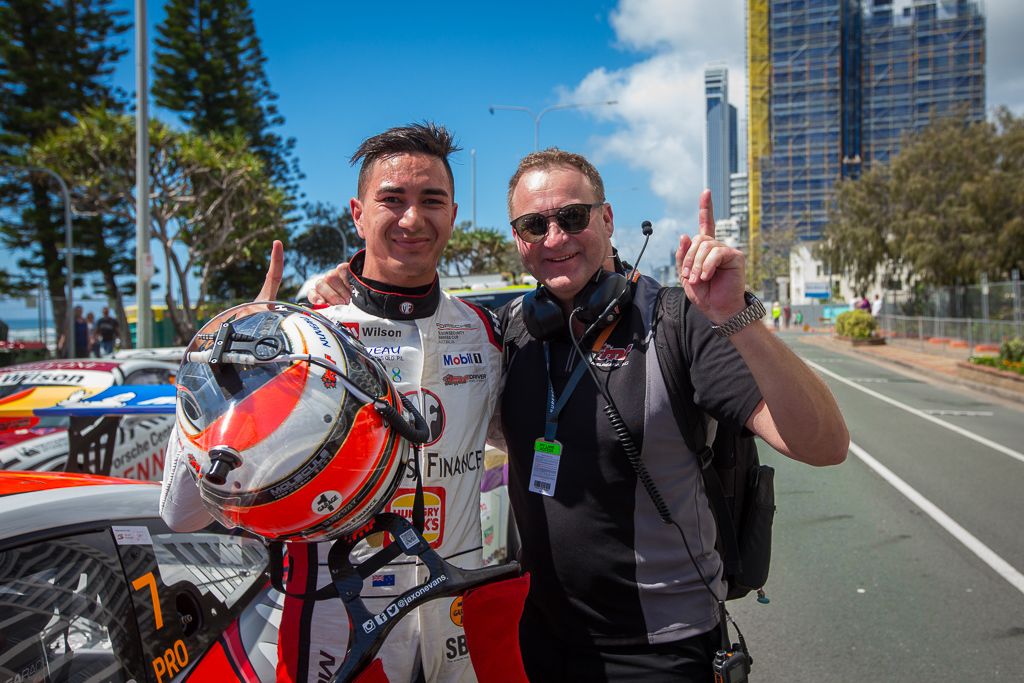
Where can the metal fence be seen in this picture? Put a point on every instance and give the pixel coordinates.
(985, 301)
(936, 331)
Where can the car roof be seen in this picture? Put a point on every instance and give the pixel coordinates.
(32, 502)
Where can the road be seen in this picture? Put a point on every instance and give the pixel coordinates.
(905, 563)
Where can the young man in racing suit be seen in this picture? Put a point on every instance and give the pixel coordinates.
(439, 350)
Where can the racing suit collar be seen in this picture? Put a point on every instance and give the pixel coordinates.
(390, 304)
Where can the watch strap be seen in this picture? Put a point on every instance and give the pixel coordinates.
(752, 313)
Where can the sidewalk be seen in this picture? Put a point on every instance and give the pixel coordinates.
(908, 355)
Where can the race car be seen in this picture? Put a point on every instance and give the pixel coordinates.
(95, 587)
(29, 441)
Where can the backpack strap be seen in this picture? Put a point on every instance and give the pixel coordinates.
(697, 428)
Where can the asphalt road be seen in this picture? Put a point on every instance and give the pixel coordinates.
(905, 563)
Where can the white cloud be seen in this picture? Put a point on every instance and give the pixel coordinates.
(687, 27)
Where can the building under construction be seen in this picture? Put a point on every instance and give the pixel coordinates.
(835, 84)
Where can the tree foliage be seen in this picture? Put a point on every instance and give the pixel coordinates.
(55, 60)
(209, 69)
(949, 207)
(319, 246)
(210, 197)
(480, 250)
(773, 258)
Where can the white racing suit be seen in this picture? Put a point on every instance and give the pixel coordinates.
(445, 354)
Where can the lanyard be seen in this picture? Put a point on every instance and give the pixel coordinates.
(554, 408)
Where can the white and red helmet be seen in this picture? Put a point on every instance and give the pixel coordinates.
(289, 423)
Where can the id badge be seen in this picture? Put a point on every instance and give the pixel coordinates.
(546, 456)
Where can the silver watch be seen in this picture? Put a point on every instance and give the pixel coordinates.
(752, 313)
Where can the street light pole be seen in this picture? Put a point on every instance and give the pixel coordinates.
(69, 257)
(143, 260)
(545, 110)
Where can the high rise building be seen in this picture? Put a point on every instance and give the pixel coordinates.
(720, 135)
(835, 84)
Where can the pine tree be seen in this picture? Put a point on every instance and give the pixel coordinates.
(55, 60)
(209, 68)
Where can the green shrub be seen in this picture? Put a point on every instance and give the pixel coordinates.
(1012, 350)
(856, 324)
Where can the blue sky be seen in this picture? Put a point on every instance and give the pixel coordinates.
(347, 70)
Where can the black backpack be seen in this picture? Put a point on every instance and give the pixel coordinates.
(739, 489)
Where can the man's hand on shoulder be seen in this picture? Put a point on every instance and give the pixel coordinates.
(711, 273)
(332, 289)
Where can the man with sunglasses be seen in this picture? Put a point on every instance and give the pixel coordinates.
(614, 594)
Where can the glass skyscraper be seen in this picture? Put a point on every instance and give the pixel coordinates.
(835, 84)
(720, 136)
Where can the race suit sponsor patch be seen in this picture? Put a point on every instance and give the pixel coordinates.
(448, 333)
(433, 511)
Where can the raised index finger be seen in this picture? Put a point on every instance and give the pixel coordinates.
(706, 217)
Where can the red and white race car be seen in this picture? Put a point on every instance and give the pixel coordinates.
(128, 446)
(95, 587)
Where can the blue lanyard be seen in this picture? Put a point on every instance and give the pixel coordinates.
(551, 421)
(554, 408)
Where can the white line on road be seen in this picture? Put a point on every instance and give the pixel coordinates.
(922, 414)
(984, 553)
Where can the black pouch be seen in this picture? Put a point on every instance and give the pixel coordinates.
(755, 532)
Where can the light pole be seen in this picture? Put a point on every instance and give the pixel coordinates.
(143, 260)
(69, 258)
(537, 117)
(344, 243)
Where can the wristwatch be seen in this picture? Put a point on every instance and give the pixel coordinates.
(752, 313)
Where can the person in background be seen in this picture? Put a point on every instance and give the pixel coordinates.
(107, 331)
(90, 321)
(876, 306)
(776, 314)
(81, 347)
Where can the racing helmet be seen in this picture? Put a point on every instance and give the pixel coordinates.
(294, 431)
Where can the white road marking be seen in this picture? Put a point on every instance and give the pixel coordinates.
(984, 553)
(1016, 455)
(961, 413)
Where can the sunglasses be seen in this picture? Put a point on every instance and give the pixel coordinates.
(572, 218)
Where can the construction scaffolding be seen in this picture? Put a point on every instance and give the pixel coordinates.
(845, 80)
(920, 60)
(759, 139)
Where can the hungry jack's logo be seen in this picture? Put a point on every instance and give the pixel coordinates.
(433, 511)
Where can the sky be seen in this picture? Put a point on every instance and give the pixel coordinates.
(346, 70)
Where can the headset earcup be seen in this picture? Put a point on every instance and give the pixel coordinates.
(542, 314)
(606, 289)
